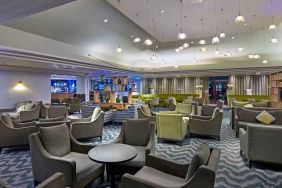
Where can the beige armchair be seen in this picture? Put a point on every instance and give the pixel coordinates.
(145, 112)
(54, 149)
(138, 133)
(57, 180)
(163, 173)
(88, 127)
(11, 136)
(206, 126)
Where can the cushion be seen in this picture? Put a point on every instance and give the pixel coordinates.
(29, 106)
(139, 160)
(248, 106)
(215, 111)
(159, 178)
(20, 108)
(96, 113)
(137, 132)
(200, 158)
(85, 168)
(146, 110)
(265, 118)
(7, 120)
(56, 139)
(247, 115)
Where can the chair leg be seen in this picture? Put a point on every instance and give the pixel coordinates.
(35, 183)
(241, 152)
(102, 178)
(101, 138)
(218, 138)
(0, 150)
(250, 164)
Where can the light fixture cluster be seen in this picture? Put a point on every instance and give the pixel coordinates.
(254, 56)
(180, 48)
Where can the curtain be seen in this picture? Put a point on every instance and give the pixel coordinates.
(257, 83)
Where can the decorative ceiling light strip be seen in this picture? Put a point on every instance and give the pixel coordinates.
(147, 41)
(240, 19)
(181, 35)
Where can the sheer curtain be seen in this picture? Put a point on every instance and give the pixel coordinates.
(258, 83)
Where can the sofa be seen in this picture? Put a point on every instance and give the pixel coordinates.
(262, 143)
(247, 116)
(257, 98)
(160, 172)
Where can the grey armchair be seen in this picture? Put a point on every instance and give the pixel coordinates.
(206, 126)
(11, 136)
(163, 173)
(57, 180)
(30, 114)
(145, 112)
(57, 111)
(54, 149)
(261, 143)
(172, 103)
(138, 133)
(88, 127)
(75, 105)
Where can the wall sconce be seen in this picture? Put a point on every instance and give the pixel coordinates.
(20, 86)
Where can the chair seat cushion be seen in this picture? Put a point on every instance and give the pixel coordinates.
(159, 178)
(14, 115)
(86, 170)
(139, 160)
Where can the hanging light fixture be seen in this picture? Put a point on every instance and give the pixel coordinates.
(273, 40)
(240, 49)
(136, 40)
(222, 35)
(202, 42)
(154, 57)
(185, 45)
(239, 19)
(181, 35)
(272, 26)
(148, 41)
(162, 61)
(215, 39)
(176, 66)
(119, 49)
(217, 52)
(265, 61)
(204, 49)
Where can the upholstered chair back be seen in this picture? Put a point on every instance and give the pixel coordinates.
(220, 103)
(96, 113)
(184, 108)
(56, 140)
(137, 132)
(57, 111)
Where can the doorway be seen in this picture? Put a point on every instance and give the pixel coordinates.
(218, 88)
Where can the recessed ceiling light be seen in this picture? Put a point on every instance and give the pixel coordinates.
(181, 36)
(273, 40)
(192, 42)
(265, 61)
(137, 39)
(232, 37)
(240, 49)
(162, 11)
(253, 56)
(148, 42)
(156, 46)
(106, 20)
(202, 42)
(175, 66)
(119, 49)
(204, 49)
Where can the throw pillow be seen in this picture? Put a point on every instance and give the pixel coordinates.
(200, 158)
(265, 118)
(248, 106)
(95, 114)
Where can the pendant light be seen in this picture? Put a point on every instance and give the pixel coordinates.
(181, 35)
(136, 39)
(222, 34)
(148, 41)
(119, 49)
(272, 26)
(253, 55)
(185, 44)
(215, 39)
(239, 19)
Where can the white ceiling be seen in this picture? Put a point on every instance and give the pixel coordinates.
(164, 26)
(81, 24)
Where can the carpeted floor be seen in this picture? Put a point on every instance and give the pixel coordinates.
(233, 171)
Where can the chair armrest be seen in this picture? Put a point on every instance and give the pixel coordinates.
(79, 147)
(167, 166)
(203, 177)
(120, 138)
(150, 148)
(201, 117)
(153, 114)
(22, 125)
(56, 180)
(130, 181)
(81, 120)
(236, 119)
(243, 135)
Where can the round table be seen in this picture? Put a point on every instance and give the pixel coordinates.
(111, 154)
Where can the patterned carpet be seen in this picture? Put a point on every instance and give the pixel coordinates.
(15, 165)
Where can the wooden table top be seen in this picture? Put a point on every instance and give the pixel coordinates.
(112, 153)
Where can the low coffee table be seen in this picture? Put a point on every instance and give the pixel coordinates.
(111, 154)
